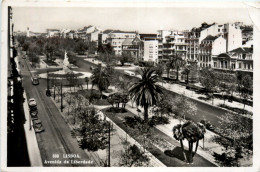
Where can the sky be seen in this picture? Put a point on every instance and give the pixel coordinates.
(141, 19)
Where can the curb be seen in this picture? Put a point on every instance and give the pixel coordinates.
(34, 154)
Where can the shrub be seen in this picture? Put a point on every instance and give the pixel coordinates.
(117, 110)
(157, 120)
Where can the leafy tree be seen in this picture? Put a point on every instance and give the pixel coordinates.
(80, 47)
(239, 130)
(178, 63)
(49, 49)
(190, 69)
(100, 78)
(125, 58)
(182, 105)
(92, 131)
(145, 92)
(192, 133)
(164, 107)
(133, 156)
(209, 80)
(87, 80)
(246, 88)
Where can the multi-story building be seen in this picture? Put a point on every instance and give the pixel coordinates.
(175, 43)
(53, 33)
(239, 59)
(210, 46)
(102, 37)
(161, 34)
(230, 32)
(133, 46)
(151, 50)
(82, 33)
(72, 34)
(117, 37)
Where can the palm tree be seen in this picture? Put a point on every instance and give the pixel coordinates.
(145, 92)
(192, 133)
(100, 78)
(87, 80)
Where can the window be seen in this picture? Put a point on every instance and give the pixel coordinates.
(244, 65)
(239, 65)
(244, 56)
(218, 30)
(215, 64)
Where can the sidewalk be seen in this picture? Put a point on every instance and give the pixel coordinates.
(32, 145)
(193, 95)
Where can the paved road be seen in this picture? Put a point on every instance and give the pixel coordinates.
(56, 139)
(204, 111)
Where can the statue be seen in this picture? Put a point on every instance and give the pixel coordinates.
(66, 63)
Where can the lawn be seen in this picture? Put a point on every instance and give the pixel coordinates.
(174, 160)
(50, 63)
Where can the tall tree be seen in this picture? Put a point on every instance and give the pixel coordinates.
(183, 106)
(146, 92)
(87, 80)
(209, 80)
(178, 63)
(100, 78)
(246, 88)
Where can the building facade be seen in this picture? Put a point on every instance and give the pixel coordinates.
(117, 37)
(239, 59)
(150, 51)
(209, 47)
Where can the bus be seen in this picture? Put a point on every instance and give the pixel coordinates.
(35, 81)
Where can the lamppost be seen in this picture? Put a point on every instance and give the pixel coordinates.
(61, 106)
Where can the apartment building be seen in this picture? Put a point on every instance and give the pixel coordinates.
(117, 37)
(174, 43)
(151, 50)
(161, 34)
(210, 46)
(231, 32)
(82, 33)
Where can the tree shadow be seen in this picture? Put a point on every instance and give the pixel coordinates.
(177, 153)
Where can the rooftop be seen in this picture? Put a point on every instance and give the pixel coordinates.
(210, 38)
(242, 50)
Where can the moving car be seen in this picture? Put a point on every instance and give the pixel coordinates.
(35, 80)
(37, 125)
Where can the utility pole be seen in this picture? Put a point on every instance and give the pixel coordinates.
(109, 131)
(54, 91)
(61, 97)
(47, 79)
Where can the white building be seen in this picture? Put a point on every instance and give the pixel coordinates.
(53, 33)
(117, 37)
(211, 46)
(230, 32)
(151, 51)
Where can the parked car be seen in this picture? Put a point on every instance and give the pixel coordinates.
(208, 125)
(32, 102)
(34, 115)
(37, 125)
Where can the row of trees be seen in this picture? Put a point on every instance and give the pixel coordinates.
(227, 82)
(55, 46)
